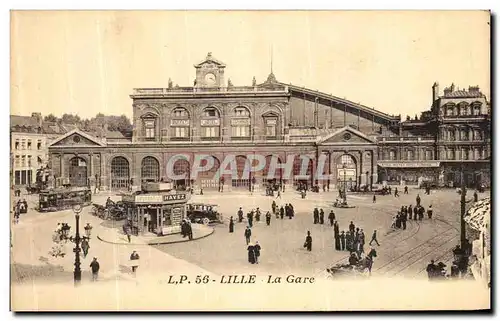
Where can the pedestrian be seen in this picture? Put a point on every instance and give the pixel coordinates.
(250, 218)
(252, 258)
(418, 199)
(415, 213)
(257, 249)
(134, 261)
(429, 212)
(268, 218)
(336, 228)
(342, 241)
(85, 247)
(475, 196)
(321, 216)
(361, 241)
(240, 215)
(406, 189)
(231, 225)
(396, 193)
(273, 206)
(292, 211)
(257, 215)
(337, 242)
(331, 217)
(129, 238)
(282, 212)
(248, 234)
(403, 220)
(278, 195)
(421, 212)
(374, 198)
(94, 265)
(308, 242)
(349, 240)
(352, 227)
(315, 216)
(431, 270)
(374, 238)
(189, 230)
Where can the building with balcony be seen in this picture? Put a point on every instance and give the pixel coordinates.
(361, 145)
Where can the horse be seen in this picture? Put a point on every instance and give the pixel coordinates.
(367, 262)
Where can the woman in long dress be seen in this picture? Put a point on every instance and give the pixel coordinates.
(252, 258)
(231, 225)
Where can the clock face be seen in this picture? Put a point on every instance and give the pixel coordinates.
(210, 79)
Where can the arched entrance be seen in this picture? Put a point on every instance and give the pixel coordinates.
(78, 172)
(181, 167)
(346, 172)
(150, 169)
(240, 181)
(120, 173)
(304, 180)
(208, 178)
(272, 177)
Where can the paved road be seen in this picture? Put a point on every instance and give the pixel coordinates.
(401, 252)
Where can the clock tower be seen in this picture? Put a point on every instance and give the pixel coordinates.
(210, 73)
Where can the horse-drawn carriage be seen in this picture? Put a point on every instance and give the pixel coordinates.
(115, 211)
(356, 267)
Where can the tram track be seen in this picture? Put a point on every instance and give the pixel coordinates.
(401, 258)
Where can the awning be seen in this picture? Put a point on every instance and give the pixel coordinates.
(409, 164)
(478, 216)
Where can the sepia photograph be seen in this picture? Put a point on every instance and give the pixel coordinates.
(250, 161)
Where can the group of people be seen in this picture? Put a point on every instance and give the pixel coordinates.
(319, 216)
(283, 211)
(21, 207)
(407, 212)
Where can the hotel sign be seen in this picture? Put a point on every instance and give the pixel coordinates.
(210, 122)
(240, 122)
(410, 165)
(179, 122)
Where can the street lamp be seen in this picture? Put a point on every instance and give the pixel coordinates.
(78, 272)
(344, 166)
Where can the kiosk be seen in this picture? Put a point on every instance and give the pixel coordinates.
(157, 209)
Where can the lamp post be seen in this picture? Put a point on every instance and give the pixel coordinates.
(463, 241)
(345, 183)
(78, 272)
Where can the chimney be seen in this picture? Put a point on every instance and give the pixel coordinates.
(435, 92)
(452, 88)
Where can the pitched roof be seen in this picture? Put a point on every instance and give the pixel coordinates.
(345, 128)
(209, 58)
(27, 121)
(81, 133)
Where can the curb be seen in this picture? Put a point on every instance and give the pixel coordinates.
(158, 243)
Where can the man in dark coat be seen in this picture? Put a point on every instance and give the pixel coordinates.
(316, 216)
(421, 212)
(257, 215)
(257, 249)
(292, 211)
(396, 193)
(321, 216)
(361, 240)
(475, 196)
(308, 242)
(268, 218)
(352, 227)
(406, 189)
(349, 240)
(431, 270)
(410, 212)
(94, 266)
(418, 199)
(248, 234)
(85, 247)
(415, 213)
(331, 217)
(240, 215)
(342, 241)
(231, 225)
(337, 242)
(374, 238)
(250, 218)
(374, 200)
(282, 212)
(274, 206)
(336, 228)
(404, 217)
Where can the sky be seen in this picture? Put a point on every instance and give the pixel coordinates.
(89, 61)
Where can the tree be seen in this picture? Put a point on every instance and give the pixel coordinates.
(50, 118)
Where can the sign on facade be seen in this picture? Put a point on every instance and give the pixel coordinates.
(210, 122)
(179, 122)
(240, 122)
(410, 165)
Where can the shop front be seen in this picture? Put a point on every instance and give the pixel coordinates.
(156, 213)
(408, 173)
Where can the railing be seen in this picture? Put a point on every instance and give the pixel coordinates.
(405, 138)
(196, 90)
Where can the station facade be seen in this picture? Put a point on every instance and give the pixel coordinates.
(362, 146)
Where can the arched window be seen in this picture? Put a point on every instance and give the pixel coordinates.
(149, 124)
(347, 160)
(180, 124)
(210, 124)
(240, 123)
(120, 173)
(150, 169)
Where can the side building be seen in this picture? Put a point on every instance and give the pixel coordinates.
(216, 118)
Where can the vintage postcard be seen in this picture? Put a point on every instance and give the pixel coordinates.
(250, 160)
